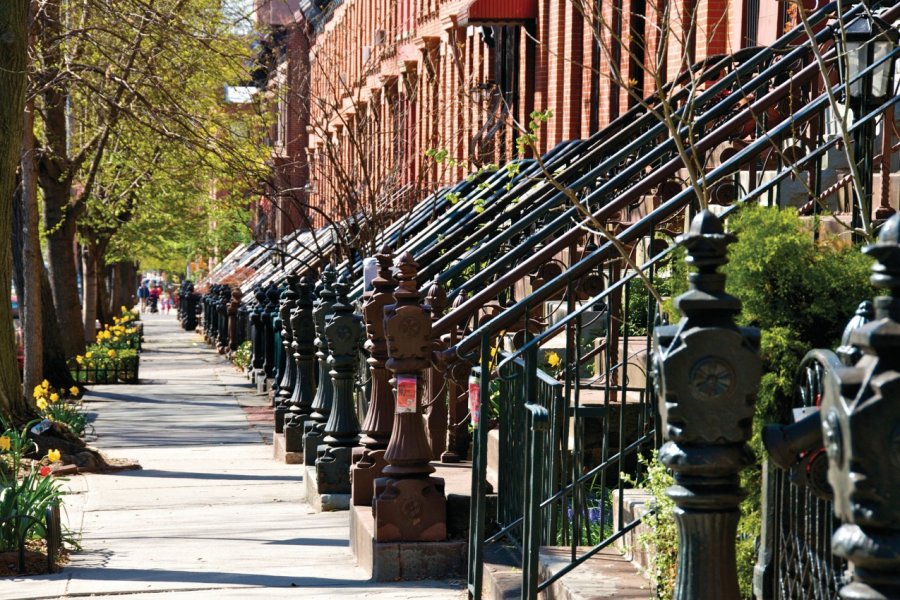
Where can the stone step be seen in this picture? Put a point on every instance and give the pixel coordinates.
(607, 574)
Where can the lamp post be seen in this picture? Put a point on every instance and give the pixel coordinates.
(866, 42)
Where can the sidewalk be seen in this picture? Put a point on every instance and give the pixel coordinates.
(211, 514)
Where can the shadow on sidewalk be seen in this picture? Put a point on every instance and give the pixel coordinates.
(213, 475)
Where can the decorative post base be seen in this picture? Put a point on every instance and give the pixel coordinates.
(410, 510)
(333, 469)
(368, 465)
(278, 413)
(293, 432)
(313, 437)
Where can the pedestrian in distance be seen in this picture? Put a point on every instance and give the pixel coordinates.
(143, 295)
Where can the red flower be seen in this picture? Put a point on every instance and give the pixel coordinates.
(45, 471)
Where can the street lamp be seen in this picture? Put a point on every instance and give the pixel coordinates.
(279, 250)
(863, 43)
(866, 42)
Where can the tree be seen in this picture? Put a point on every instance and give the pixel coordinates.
(108, 73)
(13, 52)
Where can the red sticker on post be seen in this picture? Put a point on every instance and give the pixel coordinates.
(406, 394)
(475, 400)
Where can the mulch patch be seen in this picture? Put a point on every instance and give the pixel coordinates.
(35, 560)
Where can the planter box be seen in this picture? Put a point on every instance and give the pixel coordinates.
(125, 370)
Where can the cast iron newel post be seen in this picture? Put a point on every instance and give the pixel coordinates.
(270, 311)
(707, 374)
(368, 461)
(457, 396)
(278, 348)
(190, 308)
(182, 290)
(234, 330)
(304, 355)
(259, 333)
(286, 383)
(436, 417)
(861, 429)
(222, 323)
(409, 505)
(344, 330)
(321, 406)
(207, 302)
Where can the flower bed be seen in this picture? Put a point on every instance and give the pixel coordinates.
(105, 366)
(61, 406)
(126, 332)
(114, 357)
(29, 498)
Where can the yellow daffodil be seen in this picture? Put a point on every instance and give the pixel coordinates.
(42, 404)
(38, 391)
(54, 397)
(45, 384)
(79, 359)
(111, 353)
(74, 390)
(53, 455)
(5, 443)
(553, 359)
(89, 355)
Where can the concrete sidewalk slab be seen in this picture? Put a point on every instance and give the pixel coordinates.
(211, 514)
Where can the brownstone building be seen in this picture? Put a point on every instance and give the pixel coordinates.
(377, 103)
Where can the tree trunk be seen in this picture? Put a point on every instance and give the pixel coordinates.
(63, 280)
(13, 50)
(55, 179)
(89, 291)
(33, 263)
(56, 371)
(122, 283)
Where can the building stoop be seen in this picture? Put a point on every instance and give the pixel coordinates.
(606, 575)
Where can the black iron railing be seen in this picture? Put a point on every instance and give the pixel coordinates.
(119, 370)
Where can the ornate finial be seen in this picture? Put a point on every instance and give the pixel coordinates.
(341, 289)
(706, 242)
(886, 272)
(305, 289)
(707, 246)
(847, 352)
(407, 269)
(436, 298)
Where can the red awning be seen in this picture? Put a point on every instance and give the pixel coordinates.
(498, 11)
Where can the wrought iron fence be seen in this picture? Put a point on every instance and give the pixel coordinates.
(119, 370)
(795, 555)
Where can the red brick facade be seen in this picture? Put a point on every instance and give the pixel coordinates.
(367, 87)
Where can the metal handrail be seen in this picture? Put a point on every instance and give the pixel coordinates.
(638, 229)
(761, 80)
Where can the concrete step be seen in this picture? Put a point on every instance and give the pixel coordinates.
(607, 574)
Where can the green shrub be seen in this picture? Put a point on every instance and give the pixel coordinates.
(661, 538)
(785, 279)
(243, 355)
